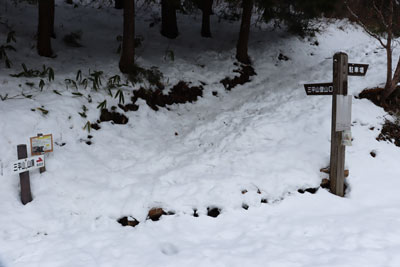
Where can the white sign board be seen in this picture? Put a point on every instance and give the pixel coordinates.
(28, 164)
(343, 112)
(346, 138)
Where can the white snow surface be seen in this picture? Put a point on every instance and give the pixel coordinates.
(266, 137)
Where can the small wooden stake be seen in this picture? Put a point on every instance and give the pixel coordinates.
(340, 73)
(24, 180)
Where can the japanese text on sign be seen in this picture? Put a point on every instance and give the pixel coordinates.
(28, 164)
(41, 144)
(357, 69)
(319, 89)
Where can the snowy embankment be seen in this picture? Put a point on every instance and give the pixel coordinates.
(266, 137)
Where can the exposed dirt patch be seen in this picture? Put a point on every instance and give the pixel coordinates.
(392, 104)
(390, 132)
(156, 213)
(128, 107)
(113, 116)
(128, 221)
(95, 126)
(245, 72)
(326, 184)
(179, 94)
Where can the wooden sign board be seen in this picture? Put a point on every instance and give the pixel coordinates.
(28, 164)
(357, 69)
(41, 144)
(319, 89)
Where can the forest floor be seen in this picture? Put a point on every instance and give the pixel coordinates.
(244, 154)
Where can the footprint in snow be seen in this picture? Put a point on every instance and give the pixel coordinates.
(169, 249)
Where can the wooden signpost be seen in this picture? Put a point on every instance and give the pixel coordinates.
(341, 115)
(40, 145)
(24, 180)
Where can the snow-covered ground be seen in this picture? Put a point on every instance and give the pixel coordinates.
(265, 136)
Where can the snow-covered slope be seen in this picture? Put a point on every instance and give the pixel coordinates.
(266, 137)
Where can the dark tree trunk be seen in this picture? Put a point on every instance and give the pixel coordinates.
(388, 63)
(241, 48)
(396, 77)
(169, 26)
(207, 11)
(126, 63)
(44, 29)
(52, 10)
(119, 4)
(391, 84)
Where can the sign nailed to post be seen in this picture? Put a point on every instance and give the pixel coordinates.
(357, 69)
(28, 164)
(327, 88)
(41, 144)
(319, 89)
(341, 114)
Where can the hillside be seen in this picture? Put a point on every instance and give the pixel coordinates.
(254, 146)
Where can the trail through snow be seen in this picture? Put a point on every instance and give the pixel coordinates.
(265, 136)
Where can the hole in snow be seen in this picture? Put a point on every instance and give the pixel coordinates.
(213, 212)
(155, 214)
(195, 214)
(309, 190)
(125, 221)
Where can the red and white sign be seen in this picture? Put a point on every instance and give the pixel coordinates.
(28, 164)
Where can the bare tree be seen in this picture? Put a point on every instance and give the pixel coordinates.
(242, 44)
(45, 27)
(119, 4)
(169, 25)
(52, 10)
(206, 8)
(380, 19)
(126, 62)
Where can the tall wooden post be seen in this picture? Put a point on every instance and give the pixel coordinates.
(24, 180)
(340, 73)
